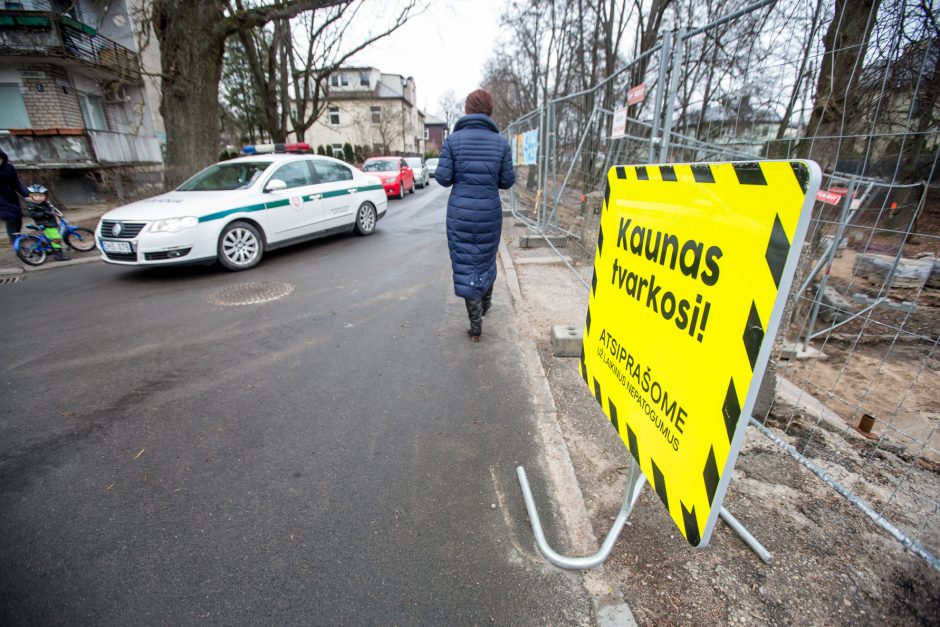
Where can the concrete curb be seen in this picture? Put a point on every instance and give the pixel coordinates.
(512, 279)
(52, 265)
(610, 609)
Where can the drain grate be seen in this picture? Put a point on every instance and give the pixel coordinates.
(11, 279)
(253, 293)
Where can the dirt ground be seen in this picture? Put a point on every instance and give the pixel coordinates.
(832, 564)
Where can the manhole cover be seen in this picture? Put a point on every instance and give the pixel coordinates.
(253, 293)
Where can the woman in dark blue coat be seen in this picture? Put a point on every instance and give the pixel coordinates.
(10, 191)
(476, 160)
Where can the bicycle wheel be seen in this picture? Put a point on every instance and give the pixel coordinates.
(30, 250)
(80, 239)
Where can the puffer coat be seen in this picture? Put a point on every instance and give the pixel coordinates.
(476, 160)
(10, 190)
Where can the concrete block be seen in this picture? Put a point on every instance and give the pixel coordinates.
(797, 350)
(904, 306)
(566, 340)
(537, 241)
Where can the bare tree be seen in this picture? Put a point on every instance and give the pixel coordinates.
(450, 108)
(192, 44)
(291, 63)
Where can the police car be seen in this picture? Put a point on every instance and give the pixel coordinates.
(236, 210)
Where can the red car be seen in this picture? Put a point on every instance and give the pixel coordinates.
(397, 177)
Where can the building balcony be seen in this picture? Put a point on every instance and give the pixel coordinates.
(79, 149)
(44, 35)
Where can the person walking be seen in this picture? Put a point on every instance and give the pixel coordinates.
(475, 159)
(10, 210)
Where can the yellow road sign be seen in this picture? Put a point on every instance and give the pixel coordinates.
(693, 267)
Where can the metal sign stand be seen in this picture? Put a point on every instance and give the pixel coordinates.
(635, 482)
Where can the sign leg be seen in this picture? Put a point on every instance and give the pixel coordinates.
(631, 493)
(745, 535)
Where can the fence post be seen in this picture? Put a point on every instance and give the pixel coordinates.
(671, 94)
(540, 164)
(660, 93)
(840, 229)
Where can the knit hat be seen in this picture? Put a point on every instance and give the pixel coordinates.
(479, 101)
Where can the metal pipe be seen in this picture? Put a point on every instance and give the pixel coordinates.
(817, 299)
(745, 535)
(728, 18)
(612, 76)
(822, 259)
(554, 163)
(658, 102)
(849, 319)
(540, 163)
(909, 543)
(671, 96)
(631, 493)
(577, 154)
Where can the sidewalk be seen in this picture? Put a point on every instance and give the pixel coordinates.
(86, 216)
(818, 540)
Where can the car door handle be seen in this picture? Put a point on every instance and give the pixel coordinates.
(316, 196)
(352, 190)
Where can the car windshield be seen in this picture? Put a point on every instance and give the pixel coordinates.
(414, 163)
(382, 165)
(225, 176)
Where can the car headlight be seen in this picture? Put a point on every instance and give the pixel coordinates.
(173, 225)
(391, 179)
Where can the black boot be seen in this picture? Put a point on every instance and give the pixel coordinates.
(475, 313)
(487, 300)
(59, 255)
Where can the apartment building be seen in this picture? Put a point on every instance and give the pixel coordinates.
(366, 107)
(74, 108)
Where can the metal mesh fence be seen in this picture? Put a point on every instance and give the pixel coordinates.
(856, 365)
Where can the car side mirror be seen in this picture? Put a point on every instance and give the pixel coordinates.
(275, 185)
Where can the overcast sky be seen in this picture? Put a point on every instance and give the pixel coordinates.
(443, 48)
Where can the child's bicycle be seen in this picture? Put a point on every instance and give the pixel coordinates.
(34, 249)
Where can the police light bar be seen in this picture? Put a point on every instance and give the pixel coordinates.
(258, 149)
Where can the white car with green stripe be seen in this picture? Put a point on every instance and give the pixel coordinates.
(235, 210)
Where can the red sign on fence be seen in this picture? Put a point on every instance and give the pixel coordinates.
(636, 94)
(829, 197)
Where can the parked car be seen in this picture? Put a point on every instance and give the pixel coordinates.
(422, 175)
(236, 210)
(397, 176)
(431, 165)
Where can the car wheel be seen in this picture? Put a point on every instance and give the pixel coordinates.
(401, 190)
(240, 246)
(365, 219)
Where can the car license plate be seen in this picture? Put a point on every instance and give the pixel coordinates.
(117, 247)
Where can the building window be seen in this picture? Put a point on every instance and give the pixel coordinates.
(427, 133)
(344, 80)
(93, 112)
(337, 150)
(334, 115)
(363, 79)
(376, 115)
(334, 80)
(12, 108)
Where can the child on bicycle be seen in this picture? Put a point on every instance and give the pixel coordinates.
(41, 210)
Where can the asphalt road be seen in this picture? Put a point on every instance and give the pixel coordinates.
(330, 457)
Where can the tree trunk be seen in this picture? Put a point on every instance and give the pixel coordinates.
(192, 44)
(846, 43)
(192, 67)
